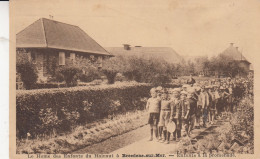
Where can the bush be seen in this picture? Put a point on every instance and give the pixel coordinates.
(27, 70)
(73, 106)
(91, 73)
(139, 68)
(111, 67)
(70, 74)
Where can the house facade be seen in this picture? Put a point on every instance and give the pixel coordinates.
(50, 43)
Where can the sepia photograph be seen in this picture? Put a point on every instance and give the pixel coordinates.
(133, 79)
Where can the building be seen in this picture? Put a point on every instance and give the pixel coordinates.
(49, 42)
(236, 55)
(233, 53)
(166, 53)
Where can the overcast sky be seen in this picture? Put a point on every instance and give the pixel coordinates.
(191, 27)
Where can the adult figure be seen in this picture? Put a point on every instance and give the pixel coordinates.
(191, 80)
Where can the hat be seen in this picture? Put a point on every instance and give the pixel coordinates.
(159, 88)
(207, 87)
(177, 89)
(183, 93)
(197, 88)
(171, 90)
(191, 90)
(195, 84)
(164, 90)
(185, 86)
(174, 91)
(153, 90)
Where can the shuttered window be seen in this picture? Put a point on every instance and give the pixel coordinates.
(61, 58)
(72, 57)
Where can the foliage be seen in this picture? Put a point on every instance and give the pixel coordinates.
(139, 68)
(221, 64)
(226, 65)
(73, 106)
(111, 67)
(222, 139)
(26, 69)
(83, 135)
(90, 73)
(70, 74)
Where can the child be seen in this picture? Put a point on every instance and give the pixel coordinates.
(192, 101)
(204, 101)
(184, 111)
(164, 116)
(153, 105)
(212, 105)
(176, 114)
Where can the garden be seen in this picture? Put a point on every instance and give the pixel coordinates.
(79, 107)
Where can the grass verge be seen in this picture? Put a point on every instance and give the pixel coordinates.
(83, 136)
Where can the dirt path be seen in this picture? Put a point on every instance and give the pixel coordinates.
(117, 142)
(136, 142)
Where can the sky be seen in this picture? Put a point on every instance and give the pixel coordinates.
(190, 27)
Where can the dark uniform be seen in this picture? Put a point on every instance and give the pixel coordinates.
(176, 117)
(192, 113)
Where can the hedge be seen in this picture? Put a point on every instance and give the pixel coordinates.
(43, 111)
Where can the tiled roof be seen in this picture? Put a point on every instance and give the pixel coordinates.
(234, 53)
(166, 53)
(46, 33)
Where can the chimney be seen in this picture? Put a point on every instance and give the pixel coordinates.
(126, 46)
(231, 44)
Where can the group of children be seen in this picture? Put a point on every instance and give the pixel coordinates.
(189, 107)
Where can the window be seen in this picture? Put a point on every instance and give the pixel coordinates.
(29, 56)
(33, 57)
(99, 59)
(61, 58)
(72, 57)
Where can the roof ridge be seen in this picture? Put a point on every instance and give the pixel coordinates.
(59, 22)
(94, 40)
(28, 26)
(44, 32)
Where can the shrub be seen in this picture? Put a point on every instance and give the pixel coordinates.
(139, 68)
(70, 74)
(111, 67)
(91, 73)
(73, 106)
(26, 69)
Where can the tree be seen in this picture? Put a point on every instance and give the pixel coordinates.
(111, 67)
(226, 65)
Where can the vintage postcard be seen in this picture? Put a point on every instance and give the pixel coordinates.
(134, 79)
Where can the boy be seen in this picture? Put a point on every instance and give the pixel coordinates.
(185, 108)
(164, 116)
(212, 105)
(204, 102)
(176, 114)
(153, 105)
(192, 101)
